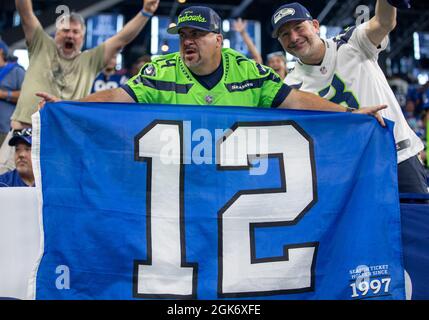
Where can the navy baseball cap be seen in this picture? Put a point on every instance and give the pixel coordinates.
(288, 12)
(23, 135)
(197, 17)
(5, 48)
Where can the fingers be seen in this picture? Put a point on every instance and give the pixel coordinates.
(380, 107)
(43, 95)
(374, 112)
(369, 110)
(47, 97)
(380, 119)
(41, 104)
(238, 25)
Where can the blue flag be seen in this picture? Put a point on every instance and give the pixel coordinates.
(186, 202)
(415, 241)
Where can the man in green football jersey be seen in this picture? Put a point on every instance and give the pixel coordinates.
(203, 73)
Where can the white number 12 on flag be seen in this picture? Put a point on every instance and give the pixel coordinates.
(166, 273)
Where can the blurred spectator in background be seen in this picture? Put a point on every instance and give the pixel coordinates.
(138, 64)
(11, 78)
(240, 26)
(414, 94)
(277, 61)
(109, 77)
(425, 136)
(423, 96)
(58, 65)
(414, 121)
(400, 88)
(22, 176)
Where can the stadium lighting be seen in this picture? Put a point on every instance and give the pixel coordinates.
(154, 37)
(323, 31)
(226, 43)
(226, 25)
(22, 55)
(422, 78)
(165, 47)
(416, 46)
(181, 1)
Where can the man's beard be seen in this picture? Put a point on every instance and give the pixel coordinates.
(192, 63)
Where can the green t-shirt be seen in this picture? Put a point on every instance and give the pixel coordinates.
(167, 80)
(49, 72)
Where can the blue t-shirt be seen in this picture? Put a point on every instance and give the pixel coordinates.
(12, 81)
(102, 82)
(11, 179)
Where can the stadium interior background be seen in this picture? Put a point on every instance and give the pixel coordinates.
(399, 58)
(405, 60)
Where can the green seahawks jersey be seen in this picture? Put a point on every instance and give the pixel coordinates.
(167, 80)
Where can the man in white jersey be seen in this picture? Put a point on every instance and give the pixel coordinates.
(344, 70)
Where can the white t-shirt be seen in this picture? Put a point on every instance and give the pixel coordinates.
(350, 75)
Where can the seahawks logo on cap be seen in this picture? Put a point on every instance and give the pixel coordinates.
(283, 13)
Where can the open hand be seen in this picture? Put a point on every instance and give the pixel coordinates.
(239, 25)
(373, 111)
(46, 97)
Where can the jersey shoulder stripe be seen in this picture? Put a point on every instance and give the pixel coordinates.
(164, 85)
(344, 37)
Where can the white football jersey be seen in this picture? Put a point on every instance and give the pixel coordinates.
(350, 75)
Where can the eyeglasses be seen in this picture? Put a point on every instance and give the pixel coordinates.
(27, 132)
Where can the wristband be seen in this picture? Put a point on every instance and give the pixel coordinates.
(146, 14)
(9, 95)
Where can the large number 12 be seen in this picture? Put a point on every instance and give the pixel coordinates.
(166, 274)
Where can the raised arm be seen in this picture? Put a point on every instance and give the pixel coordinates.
(29, 20)
(309, 101)
(382, 23)
(130, 31)
(240, 26)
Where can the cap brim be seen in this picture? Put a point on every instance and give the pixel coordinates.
(15, 140)
(275, 32)
(176, 29)
(173, 30)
